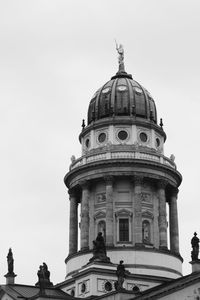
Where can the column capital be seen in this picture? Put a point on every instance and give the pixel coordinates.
(71, 193)
(138, 179)
(84, 184)
(108, 179)
(162, 183)
(174, 192)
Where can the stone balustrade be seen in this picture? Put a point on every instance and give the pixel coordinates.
(106, 155)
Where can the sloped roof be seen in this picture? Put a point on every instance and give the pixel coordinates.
(17, 291)
(168, 288)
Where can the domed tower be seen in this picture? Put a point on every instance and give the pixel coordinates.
(127, 189)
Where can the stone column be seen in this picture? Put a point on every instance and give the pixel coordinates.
(138, 181)
(73, 224)
(109, 211)
(162, 214)
(173, 222)
(85, 216)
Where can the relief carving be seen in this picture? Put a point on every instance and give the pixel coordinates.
(100, 197)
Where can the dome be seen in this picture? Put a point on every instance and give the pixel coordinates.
(122, 96)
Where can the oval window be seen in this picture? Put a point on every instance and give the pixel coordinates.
(87, 143)
(138, 90)
(122, 135)
(106, 90)
(102, 137)
(143, 137)
(108, 286)
(157, 142)
(83, 287)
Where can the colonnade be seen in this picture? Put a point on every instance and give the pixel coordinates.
(162, 221)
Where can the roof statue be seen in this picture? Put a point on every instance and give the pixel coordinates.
(120, 51)
(10, 262)
(99, 249)
(195, 247)
(43, 277)
(120, 276)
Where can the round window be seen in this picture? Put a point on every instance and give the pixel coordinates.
(122, 135)
(143, 137)
(135, 289)
(108, 286)
(157, 142)
(87, 143)
(102, 137)
(83, 287)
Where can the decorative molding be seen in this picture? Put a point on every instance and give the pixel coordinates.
(147, 215)
(100, 215)
(123, 212)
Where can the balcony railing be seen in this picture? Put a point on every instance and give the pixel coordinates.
(107, 155)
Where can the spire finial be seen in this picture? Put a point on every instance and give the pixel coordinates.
(120, 51)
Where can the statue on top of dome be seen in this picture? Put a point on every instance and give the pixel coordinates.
(120, 51)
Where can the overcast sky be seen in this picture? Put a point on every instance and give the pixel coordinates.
(53, 56)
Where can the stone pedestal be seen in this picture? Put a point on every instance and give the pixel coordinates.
(10, 278)
(195, 265)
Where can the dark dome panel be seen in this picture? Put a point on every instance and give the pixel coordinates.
(122, 96)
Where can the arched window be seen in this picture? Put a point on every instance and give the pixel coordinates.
(146, 232)
(102, 228)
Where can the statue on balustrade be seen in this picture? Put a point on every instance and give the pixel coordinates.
(195, 247)
(121, 274)
(99, 249)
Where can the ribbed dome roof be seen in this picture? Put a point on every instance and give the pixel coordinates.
(122, 96)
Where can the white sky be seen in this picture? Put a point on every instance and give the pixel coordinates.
(54, 55)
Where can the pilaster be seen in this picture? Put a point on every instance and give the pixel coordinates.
(138, 182)
(109, 211)
(85, 215)
(173, 222)
(73, 223)
(162, 214)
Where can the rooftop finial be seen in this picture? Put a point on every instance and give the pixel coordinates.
(120, 51)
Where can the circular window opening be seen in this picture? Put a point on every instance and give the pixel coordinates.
(83, 287)
(136, 289)
(122, 135)
(108, 286)
(143, 137)
(102, 137)
(157, 142)
(87, 143)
